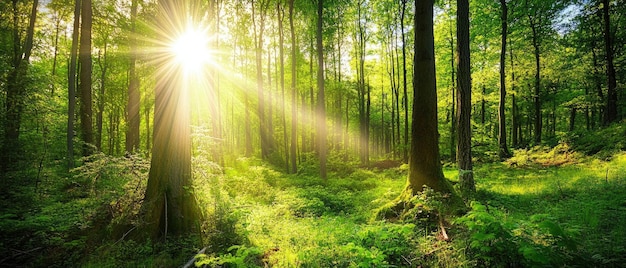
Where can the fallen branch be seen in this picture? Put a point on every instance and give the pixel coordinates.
(193, 259)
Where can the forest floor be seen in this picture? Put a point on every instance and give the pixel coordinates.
(544, 207)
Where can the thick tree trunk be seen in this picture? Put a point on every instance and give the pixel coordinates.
(169, 204)
(503, 151)
(424, 162)
(132, 106)
(464, 102)
(321, 107)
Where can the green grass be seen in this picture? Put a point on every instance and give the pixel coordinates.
(555, 209)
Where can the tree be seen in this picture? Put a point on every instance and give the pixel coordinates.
(503, 151)
(71, 91)
(294, 116)
(132, 105)
(321, 106)
(464, 101)
(424, 163)
(84, 57)
(266, 143)
(16, 88)
(405, 98)
(611, 104)
(169, 205)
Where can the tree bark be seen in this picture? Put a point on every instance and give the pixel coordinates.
(258, 45)
(321, 107)
(169, 204)
(132, 106)
(406, 96)
(85, 81)
(294, 110)
(71, 86)
(503, 151)
(611, 105)
(464, 102)
(16, 87)
(424, 161)
(537, 93)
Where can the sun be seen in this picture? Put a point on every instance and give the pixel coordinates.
(190, 50)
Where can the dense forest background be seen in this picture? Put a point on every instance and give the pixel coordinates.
(282, 133)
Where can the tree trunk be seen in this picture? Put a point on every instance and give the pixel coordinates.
(16, 87)
(294, 110)
(258, 45)
(452, 100)
(536, 96)
(515, 126)
(132, 106)
(102, 60)
(405, 99)
(424, 162)
(503, 151)
(84, 56)
(169, 204)
(611, 105)
(321, 107)
(464, 101)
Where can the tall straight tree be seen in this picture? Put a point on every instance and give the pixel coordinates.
(16, 89)
(266, 136)
(84, 57)
(464, 101)
(280, 10)
(406, 97)
(503, 151)
(132, 106)
(321, 100)
(294, 110)
(424, 161)
(611, 104)
(168, 205)
(71, 87)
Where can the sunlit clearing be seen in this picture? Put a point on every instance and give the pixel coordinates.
(191, 50)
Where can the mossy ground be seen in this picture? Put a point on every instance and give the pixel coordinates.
(529, 214)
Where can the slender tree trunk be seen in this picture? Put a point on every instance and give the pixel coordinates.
(294, 110)
(85, 82)
(453, 103)
(258, 45)
(99, 116)
(503, 151)
(133, 104)
(406, 96)
(464, 102)
(321, 107)
(611, 105)
(71, 81)
(515, 112)
(537, 93)
(281, 47)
